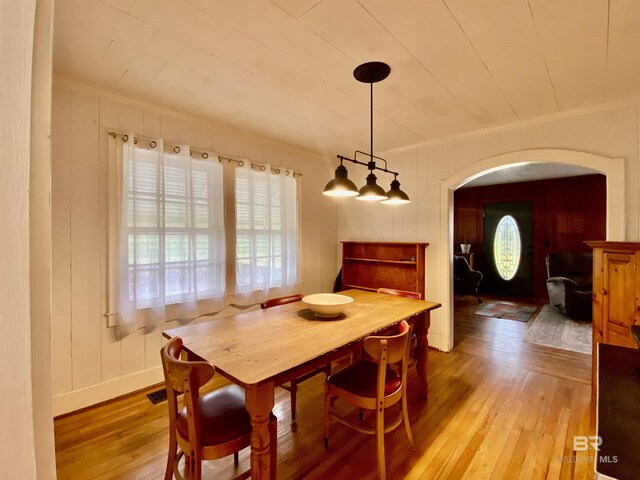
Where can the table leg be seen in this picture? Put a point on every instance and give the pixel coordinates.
(421, 329)
(259, 401)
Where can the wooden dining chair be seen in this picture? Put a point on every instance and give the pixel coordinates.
(373, 385)
(208, 427)
(405, 294)
(292, 387)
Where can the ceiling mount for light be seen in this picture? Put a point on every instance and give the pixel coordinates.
(341, 186)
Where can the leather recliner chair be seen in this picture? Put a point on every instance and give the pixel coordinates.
(465, 280)
(570, 283)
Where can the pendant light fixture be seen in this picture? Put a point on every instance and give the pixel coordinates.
(341, 186)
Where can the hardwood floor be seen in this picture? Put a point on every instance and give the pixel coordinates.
(497, 408)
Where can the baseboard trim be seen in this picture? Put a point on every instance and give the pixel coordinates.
(101, 392)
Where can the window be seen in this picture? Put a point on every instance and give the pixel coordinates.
(168, 240)
(507, 247)
(172, 231)
(266, 229)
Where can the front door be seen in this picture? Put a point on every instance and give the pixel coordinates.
(507, 248)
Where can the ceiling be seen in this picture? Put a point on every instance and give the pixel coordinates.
(530, 171)
(284, 68)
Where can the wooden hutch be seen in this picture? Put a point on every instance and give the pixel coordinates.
(371, 265)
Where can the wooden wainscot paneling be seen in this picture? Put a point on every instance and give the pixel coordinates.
(566, 212)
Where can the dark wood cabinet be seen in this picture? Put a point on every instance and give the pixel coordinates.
(616, 296)
(372, 265)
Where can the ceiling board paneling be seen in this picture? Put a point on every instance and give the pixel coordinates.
(104, 20)
(295, 8)
(233, 13)
(432, 35)
(411, 80)
(166, 46)
(221, 71)
(221, 40)
(504, 36)
(131, 59)
(573, 36)
(283, 34)
(175, 16)
(529, 172)
(623, 65)
(285, 67)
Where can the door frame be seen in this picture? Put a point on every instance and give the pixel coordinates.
(612, 168)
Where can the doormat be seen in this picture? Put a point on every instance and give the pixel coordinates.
(507, 311)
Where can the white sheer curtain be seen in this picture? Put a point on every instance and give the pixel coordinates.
(171, 238)
(266, 234)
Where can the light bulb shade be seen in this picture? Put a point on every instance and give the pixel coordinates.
(372, 192)
(395, 195)
(341, 186)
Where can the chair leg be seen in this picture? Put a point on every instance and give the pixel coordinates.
(236, 458)
(478, 295)
(327, 417)
(405, 418)
(188, 470)
(173, 446)
(294, 395)
(197, 468)
(382, 470)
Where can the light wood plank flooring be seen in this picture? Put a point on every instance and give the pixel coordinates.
(497, 408)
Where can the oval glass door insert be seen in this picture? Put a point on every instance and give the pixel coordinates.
(507, 247)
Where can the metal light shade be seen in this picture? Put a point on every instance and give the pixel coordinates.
(341, 186)
(371, 192)
(395, 195)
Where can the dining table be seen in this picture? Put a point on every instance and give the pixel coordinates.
(262, 349)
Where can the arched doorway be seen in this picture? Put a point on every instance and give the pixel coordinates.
(612, 168)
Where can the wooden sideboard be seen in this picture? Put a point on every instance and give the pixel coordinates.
(616, 297)
(372, 265)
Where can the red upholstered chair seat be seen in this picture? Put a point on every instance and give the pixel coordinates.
(219, 419)
(223, 416)
(361, 377)
(373, 384)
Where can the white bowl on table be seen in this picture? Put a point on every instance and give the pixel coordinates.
(327, 305)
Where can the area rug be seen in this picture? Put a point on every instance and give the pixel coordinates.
(507, 311)
(553, 329)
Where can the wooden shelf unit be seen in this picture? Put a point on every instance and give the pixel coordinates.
(372, 265)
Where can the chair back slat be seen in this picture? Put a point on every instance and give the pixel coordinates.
(184, 377)
(396, 345)
(181, 375)
(275, 302)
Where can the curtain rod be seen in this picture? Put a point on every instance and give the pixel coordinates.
(203, 153)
